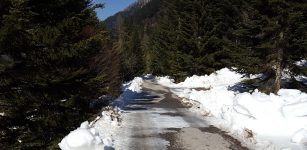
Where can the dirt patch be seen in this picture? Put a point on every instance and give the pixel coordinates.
(169, 101)
(200, 89)
(235, 144)
(171, 114)
(171, 137)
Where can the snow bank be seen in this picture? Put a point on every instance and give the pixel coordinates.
(280, 119)
(223, 77)
(219, 78)
(99, 134)
(96, 135)
(82, 138)
(129, 89)
(166, 81)
(134, 85)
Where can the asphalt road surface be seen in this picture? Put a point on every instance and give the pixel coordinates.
(156, 120)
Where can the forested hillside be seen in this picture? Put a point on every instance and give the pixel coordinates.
(182, 38)
(55, 59)
(59, 64)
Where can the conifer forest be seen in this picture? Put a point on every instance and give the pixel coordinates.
(60, 64)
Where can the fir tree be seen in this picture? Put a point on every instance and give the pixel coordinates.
(47, 73)
(194, 36)
(272, 33)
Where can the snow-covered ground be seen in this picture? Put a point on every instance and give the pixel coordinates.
(262, 121)
(100, 133)
(95, 135)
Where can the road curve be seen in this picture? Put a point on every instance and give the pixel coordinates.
(156, 120)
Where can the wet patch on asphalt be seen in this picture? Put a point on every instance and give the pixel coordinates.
(172, 139)
(235, 144)
(171, 114)
(174, 142)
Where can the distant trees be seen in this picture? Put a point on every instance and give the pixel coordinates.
(129, 46)
(55, 57)
(199, 37)
(132, 36)
(195, 34)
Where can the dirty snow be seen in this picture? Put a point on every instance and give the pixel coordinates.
(262, 121)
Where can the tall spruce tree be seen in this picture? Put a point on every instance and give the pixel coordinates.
(274, 30)
(47, 70)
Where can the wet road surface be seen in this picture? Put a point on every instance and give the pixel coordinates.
(156, 120)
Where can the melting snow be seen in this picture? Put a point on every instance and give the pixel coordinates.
(276, 121)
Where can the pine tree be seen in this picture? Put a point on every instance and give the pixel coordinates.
(272, 33)
(47, 73)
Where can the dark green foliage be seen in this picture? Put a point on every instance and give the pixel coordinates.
(132, 36)
(199, 37)
(196, 36)
(129, 46)
(270, 30)
(48, 71)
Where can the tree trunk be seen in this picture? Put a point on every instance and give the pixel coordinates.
(278, 71)
(278, 63)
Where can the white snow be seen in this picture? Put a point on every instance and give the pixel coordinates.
(262, 121)
(302, 63)
(95, 135)
(81, 139)
(299, 136)
(219, 78)
(276, 121)
(100, 133)
(134, 85)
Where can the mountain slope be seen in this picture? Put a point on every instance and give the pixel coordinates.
(141, 12)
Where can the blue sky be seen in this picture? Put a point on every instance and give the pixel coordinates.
(111, 7)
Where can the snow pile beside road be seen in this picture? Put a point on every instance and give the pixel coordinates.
(255, 117)
(134, 85)
(82, 138)
(100, 133)
(166, 81)
(129, 89)
(96, 135)
(223, 77)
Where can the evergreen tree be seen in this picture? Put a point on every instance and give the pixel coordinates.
(272, 32)
(195, 34)
(129, 46)
(47, 75)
